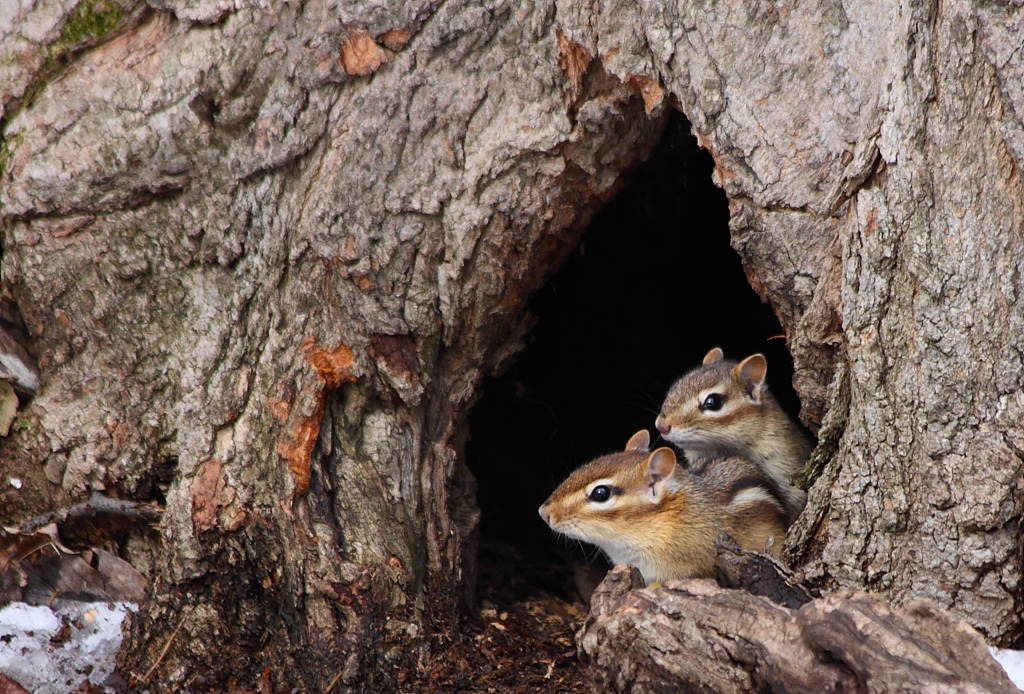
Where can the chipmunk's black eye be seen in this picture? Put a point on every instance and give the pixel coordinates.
(600, 493)
(712, 403)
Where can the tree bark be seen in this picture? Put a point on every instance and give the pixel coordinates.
(871, 157)
(265, 253)
(693, 636)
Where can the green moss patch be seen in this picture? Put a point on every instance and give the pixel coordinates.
(91, 19)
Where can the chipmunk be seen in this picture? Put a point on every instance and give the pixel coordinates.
(724, 408)
(641, 508)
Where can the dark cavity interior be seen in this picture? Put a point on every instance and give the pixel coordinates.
(653, 286)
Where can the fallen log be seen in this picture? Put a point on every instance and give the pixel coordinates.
(697, 636)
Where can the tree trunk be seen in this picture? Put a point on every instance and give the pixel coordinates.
(266, 256)
(266, 252)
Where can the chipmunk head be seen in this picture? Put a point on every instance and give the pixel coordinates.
(719, 405)
(611, 501)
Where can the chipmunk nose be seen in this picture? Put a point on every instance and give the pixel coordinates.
(543, 511)
(662, 426)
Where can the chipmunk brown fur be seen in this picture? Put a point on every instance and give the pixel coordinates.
(641, 508)
(724, 408)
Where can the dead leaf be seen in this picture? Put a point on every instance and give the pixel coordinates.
(123, 581)
(9, 686)
(65, 576)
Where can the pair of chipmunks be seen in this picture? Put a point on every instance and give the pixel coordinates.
(645, 508)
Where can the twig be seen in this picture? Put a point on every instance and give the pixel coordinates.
(97, 505)
(333, 682)
(167, 647)
(17, 556)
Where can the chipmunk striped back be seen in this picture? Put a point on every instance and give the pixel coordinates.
(756, 508)
(641, 508)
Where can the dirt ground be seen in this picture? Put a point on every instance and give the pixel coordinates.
(524, 638)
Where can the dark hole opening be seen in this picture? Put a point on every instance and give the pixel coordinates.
(653, 286)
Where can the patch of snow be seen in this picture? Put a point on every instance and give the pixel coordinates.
(23, 617)
(30, 658)
(1012, 662)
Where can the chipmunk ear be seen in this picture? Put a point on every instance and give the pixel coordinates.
(640, 441)
(714, 356)
(661, 464)
(750, 373)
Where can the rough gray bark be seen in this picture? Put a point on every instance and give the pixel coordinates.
(870, 152)
(266, 255)
(266, 251)
(693, 636)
